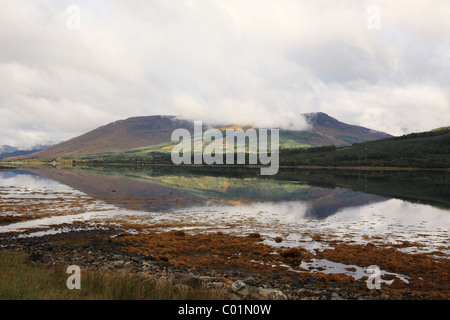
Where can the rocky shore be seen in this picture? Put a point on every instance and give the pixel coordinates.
(100, 250)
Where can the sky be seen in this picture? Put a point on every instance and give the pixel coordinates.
(68, 67)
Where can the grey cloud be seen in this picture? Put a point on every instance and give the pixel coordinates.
(245, 61)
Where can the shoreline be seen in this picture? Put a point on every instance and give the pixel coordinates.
(4, 165)
(115, 250)
(247, 266)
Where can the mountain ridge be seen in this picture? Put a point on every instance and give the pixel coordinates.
(136, 132)
(7, 151)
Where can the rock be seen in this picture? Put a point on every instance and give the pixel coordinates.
(215, 285)
(118, 264)
(149, 257)
(240, 288)
(250, 281)
(302, 292)
(109, 265)
(117, 257)
(205, 279)
(272, 294)
(255, 235)
(237, 285)
(186, 279)
(335, 296)
(136, 259)
(178, 275)
(225, 281)
(164, 259)
(50, 263)
(35, 257)
(310, 281)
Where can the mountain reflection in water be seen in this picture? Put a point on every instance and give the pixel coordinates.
(353, 206)
(153, 190)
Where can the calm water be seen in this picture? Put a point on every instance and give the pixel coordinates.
(296, 208)
(378, 207)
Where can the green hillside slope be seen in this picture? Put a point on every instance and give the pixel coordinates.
(423, 150)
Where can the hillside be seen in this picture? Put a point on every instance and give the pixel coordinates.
(151, 131)
(423, 150)
(417, 150)
(120, 135)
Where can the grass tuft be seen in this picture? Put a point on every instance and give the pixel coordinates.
(22, 281)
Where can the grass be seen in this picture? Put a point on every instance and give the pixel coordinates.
(22, 281)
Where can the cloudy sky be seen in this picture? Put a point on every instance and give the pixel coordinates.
(67, 67)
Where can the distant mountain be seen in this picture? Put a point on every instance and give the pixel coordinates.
(8, 151)
(19, 153)
(147, 131)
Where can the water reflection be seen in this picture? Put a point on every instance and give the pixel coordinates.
(293, 206)
(159, 190)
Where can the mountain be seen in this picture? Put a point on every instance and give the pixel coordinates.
(7, 149)
(334, 132)
(137, 132)
(323, 131)
(18, 153)
(117, 136)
